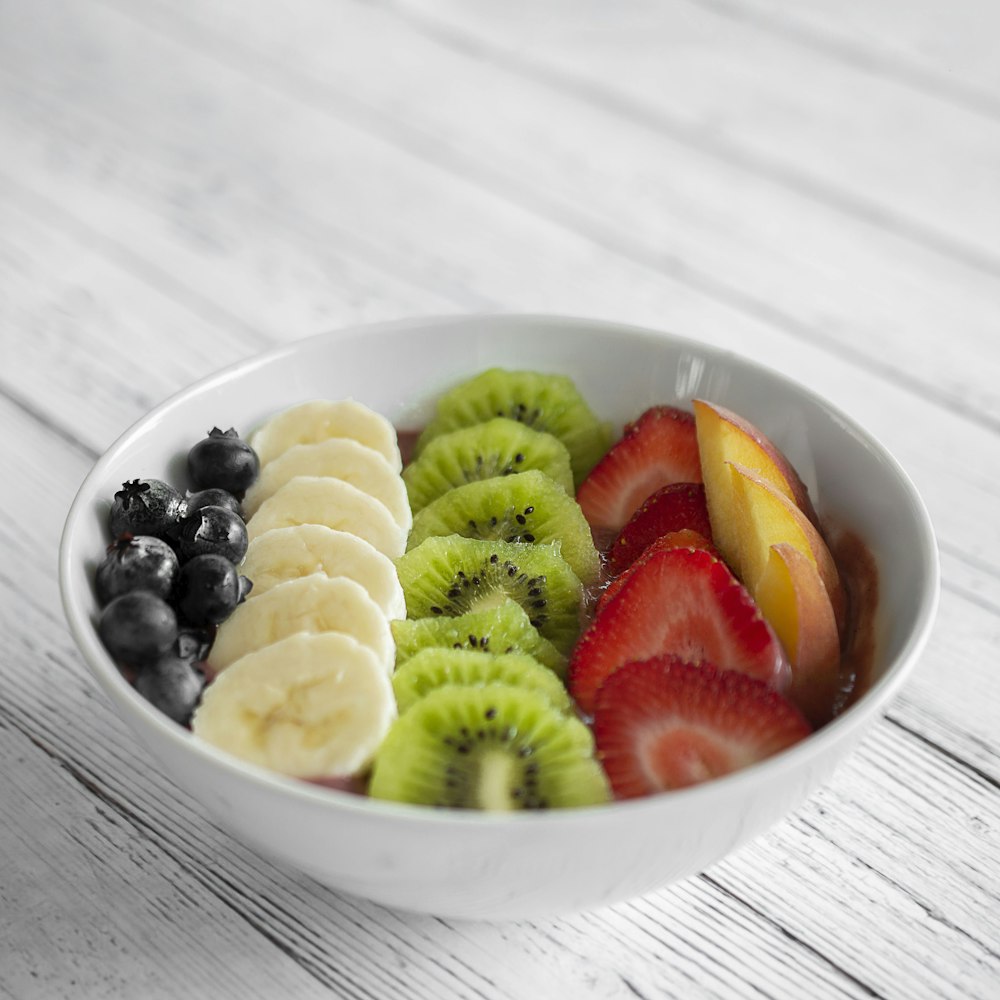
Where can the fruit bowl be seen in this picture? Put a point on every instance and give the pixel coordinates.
(488, 866)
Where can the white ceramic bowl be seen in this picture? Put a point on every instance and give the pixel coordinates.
(523, 865)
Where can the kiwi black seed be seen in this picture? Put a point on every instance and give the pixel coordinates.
(525, 508)
(506, 629)
(544, 402)
(447, 576)
(431, 669)
(498, 447)
(493, 747)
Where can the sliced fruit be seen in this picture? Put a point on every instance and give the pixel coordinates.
(321, 419)
(529, 507)
(284, 554)
(313, 604)
(544, 402)
(506, 629)
(724, 436)
(684, 539)
(495, 747)
(445, 577)
(764, 517)
(498, 447)
(338, 505)
(311, 706)
(672, 508)
(431, 669)
(656, 450)
(792, 597)
(340, 458)
(683, 602)
(664, 724)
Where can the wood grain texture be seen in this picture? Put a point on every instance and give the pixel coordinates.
(185, 184)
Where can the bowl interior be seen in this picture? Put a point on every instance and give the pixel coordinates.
(399, 368)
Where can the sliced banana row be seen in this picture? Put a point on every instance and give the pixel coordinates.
(302, 667)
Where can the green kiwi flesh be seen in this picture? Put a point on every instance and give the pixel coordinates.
(529, 507)
(542, 401)
(431, 669)
(498, 447)
(448, 576)
(494, 747)
(506, 629)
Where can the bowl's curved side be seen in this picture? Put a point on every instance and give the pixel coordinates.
(486, 866)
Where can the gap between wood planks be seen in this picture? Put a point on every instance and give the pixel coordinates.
(857, 52)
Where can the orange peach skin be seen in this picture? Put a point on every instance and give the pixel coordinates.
(724, 436)
(793, 599)
(762, 517)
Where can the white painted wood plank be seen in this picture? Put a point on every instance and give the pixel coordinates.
(942, 47)
(759, 100)
(841, 282)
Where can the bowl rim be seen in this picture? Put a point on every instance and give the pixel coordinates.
(118, 689)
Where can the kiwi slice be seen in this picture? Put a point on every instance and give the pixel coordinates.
(431, 669)
(498, 447)
(506, 629)
(525, 508)
(494, 747)
(544, 402)
(447, 576)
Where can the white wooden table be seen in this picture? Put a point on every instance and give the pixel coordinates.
(815, 184)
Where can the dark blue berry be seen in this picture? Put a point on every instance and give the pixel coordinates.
(173, 686)
(213, 498)
(194, 642)
(213, 531)
(223, 460)
(208, 590)
(138, 628)
(137, 562)
(146, 507)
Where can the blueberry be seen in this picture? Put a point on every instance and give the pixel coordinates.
(213, 498)
(173, 686)
(138, 628)
(137, 562)
(213, 531)
(194, 643)
(146, 507)
(208, 590)
(223, 460)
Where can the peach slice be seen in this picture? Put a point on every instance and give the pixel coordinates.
(760, 516)
(793, 599)
(724, 436)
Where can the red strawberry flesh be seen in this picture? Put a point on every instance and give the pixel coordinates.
(662, 724)
(671, 508)
(683, 602)
(684, 539)
(659, 448)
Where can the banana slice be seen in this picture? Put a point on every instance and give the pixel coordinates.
(313, 604)
(284, 554)
(338, 505)
(340, 458)
(310, 706)
(322, 419)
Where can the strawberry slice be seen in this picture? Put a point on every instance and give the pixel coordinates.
(672, 508)
(684, 602)
(662, 724)
(659, 448)
(683, 539)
